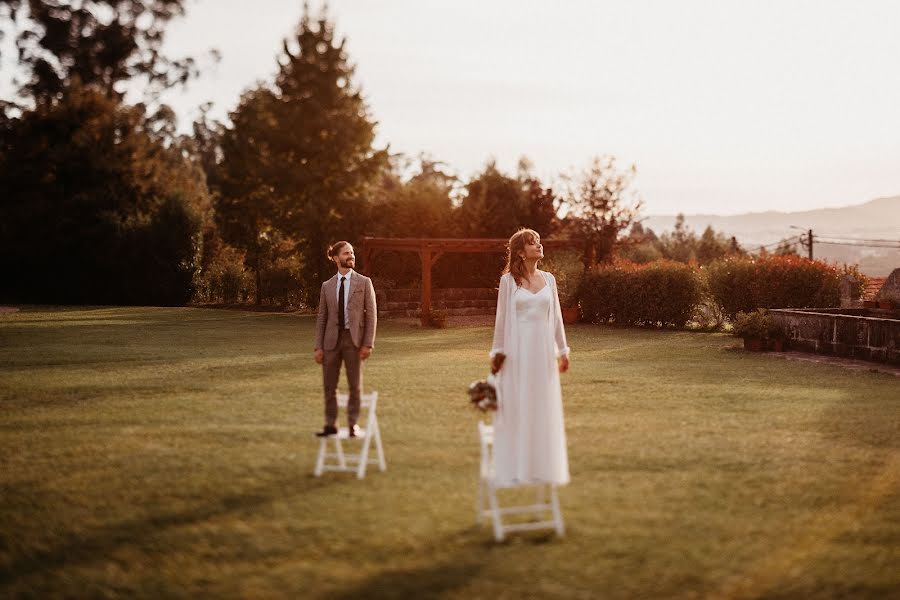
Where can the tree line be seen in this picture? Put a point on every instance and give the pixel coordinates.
(104, 202)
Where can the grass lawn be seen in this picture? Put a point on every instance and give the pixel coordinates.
(151, 452)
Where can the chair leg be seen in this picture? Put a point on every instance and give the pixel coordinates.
(364, 457)
(479, 504)
(320, 460)
(339, 450)
(557, 513)
(495, 513)
(379, 450)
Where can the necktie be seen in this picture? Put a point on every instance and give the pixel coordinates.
(341, 305)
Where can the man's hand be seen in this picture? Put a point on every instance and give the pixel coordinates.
(497, 362)
(365, 352)
(319, 355)
(563, 363)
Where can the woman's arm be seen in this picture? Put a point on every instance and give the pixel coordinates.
(498, 345)
(562, 346)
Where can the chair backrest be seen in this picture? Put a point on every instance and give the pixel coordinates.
(368, 401)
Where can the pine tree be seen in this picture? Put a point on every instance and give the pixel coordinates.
(307, 155)
(712, 246)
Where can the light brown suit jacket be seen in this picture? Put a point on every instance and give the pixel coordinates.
(361, 309)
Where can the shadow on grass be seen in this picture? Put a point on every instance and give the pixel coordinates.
(427, 582)
(855, 591)
(474, 548)
(862, 421)
(85, 547)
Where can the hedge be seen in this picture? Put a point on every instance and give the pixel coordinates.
(744, 284)
(658, 294)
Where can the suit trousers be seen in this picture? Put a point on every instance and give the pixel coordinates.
(348, 354)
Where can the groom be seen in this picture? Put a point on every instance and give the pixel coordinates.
(345, 333)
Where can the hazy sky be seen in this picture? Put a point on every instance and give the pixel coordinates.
(724, 106)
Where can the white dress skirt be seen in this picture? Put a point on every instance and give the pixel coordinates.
(529, 432)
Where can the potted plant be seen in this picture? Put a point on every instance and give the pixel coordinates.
(775, 335)
(437, 318)
(754, 327)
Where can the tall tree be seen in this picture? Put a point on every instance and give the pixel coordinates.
(602, 204)
(325, 143)
(492, 205)
(681, 243)
(419, 205)
(640, 245)
(786, 247)
(316, 161)
(712, 246)
(539, 204)
(414, 199)
(248, 204)
(96, 207)
(100, 43)
(495, 204)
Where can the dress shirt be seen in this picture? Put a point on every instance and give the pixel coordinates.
(337, 295)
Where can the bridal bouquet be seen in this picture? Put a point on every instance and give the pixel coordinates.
(483, 394)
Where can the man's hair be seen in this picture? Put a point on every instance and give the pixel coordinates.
(335, 248)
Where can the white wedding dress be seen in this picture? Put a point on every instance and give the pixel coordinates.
(529, 433)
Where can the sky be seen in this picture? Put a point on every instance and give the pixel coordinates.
(724, 106)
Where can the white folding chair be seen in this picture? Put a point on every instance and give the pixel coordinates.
(353, 462)
(489, 506)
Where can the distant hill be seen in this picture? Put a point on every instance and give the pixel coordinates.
(877, 219)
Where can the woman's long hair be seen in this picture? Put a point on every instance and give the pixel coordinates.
(514, 262)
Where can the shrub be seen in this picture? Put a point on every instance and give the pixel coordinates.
(757, 324)
(741, 284)
(225, 281)
(568, 269)
(280, 281)
(159, 254)
(95, 205)
(659, 294)
(708, 315)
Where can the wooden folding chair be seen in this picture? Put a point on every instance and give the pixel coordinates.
(353, 462)
(489, 506)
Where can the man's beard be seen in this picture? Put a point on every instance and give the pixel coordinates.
(347, 264)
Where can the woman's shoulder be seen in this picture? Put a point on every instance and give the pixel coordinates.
(547, 275)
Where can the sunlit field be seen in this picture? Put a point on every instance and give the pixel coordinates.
(153, 452)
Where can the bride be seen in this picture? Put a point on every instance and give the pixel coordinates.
(529, 352)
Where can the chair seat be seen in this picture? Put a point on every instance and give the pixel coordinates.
(343, 434)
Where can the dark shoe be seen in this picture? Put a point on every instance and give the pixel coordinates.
(354, 431)
(327, 430)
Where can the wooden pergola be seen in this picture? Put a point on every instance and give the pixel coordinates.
(431, 249)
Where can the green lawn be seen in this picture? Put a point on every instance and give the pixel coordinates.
(153, 452)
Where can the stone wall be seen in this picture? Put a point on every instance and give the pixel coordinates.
(455, 301)
(865, 334)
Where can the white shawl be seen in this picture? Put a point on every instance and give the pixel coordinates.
(506, 334)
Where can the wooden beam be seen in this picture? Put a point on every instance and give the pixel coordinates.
(463, 245)
(430, 249)
(425, 305)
